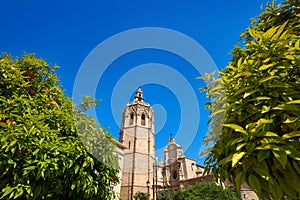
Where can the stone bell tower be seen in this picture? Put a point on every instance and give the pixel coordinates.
(137, 133)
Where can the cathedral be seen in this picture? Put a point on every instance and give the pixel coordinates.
(137, 134)
(140, 169)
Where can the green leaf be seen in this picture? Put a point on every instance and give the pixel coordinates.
(290, 57)
(275, 190)
(254, 184)
(269, 33)
(262, 98)
(264, 121)
(41, 141)
(269, 147)
(18, 193)
(264, 67)
(12, 143)
(291, 120)
(279, 31)
(267, 79)
(37, 191)
(7, 190)
(291, 151)
(12, 194)
(262, 173)
(251, 108)
(235, 127)
(263, 155)
(274, 94)
(73, 186)
(246, 94)
(28, 169)
(297, 44)
(239, 180)
(286, 107)
(241, 90)
(281, 157)
(270, 134)
(240, 146)
(236, 157)
(286, 189)
(254, 33)
(225, 160)
(235, 141)
(243, 74)
(12, 162)
(265, 109)
(296, 166)
(294, 102)
(291, 135)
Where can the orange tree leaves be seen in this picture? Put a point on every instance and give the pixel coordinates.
(42, 155)
(259, 142)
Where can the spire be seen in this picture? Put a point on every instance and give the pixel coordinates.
(139, 95)
(171, 140)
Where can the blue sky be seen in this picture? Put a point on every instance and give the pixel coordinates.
(66, 32)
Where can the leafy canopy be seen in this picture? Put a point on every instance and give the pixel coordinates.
(42, 152)
(260, 114)
(141, 196)
(202, 190)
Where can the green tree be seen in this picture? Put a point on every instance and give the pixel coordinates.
(259, 140)
(42, 153)
(165, 195)
(209, 191)
(203, 191)
(141, 196)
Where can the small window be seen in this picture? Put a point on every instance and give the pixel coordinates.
(131, 119)
(129, 145)
(174, 174)
(143, 120)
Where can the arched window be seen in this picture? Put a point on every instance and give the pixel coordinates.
(131, 119)
(143, 123)
(174, 174)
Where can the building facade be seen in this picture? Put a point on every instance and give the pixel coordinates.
(119, 152)
(177, 169)
(141, 170)
(137, 133)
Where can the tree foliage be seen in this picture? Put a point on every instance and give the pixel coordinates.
(203, 191)
(259, 141)
(42, 154)
(165, 195)
(141, 196)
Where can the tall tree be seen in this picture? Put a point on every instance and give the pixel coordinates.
(260, 132)
(43, 152)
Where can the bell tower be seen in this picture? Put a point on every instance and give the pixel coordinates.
(137, 133)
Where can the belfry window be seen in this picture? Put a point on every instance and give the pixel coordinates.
(174, 174)
(143, 123)
(131, 119)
